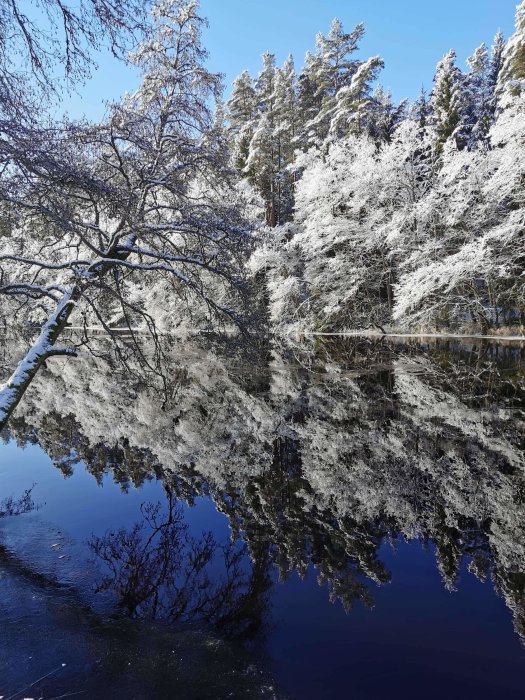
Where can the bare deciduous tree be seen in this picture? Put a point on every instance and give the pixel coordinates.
(44, 39)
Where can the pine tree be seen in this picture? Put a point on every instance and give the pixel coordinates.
(447, 101)
(261, 167)
(336, 50)
(264, 124)
(512, 74)
(241, 105)
(265, 84)
(475, 97)
(262, 163)
(242, 116)
(353, 102)
(285, 132)
(331, 69)
(310, 98)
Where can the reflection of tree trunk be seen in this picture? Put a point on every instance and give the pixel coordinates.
(44, 347)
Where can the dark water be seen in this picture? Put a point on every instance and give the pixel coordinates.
(339, 521)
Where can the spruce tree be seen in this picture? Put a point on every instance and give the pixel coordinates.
(384, 116)
(496, 60)
(420, 110)
(420, 160)
(479, 94)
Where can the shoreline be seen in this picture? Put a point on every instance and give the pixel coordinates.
(393, 334)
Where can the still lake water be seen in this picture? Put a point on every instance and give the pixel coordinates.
(343, 521)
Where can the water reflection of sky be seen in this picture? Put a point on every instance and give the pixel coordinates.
(79, 504)
(419, 638)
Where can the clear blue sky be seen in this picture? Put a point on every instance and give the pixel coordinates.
(410, 35)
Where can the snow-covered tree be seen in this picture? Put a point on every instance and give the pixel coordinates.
(423, 231)
(339, 277)
(512, 74)
(33, 54)
(336, 50)
(262, 166)
(242, 115)
(467, 264)
(496, 60)
(331, 69)
(262, 162)
(95, 210)
(329, 99)
(265, 84)
(420, 110)
(383, 116)
(479, 94)
(447, 101)
(353, 103)
(265, 120)
(476, 98)
(286, 132)
(310, 98)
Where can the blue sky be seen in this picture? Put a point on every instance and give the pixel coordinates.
(410, 35)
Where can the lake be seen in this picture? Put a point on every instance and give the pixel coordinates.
(338, 519)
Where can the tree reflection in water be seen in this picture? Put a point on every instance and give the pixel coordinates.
(13, 505)
(317, 456)
(158, 570)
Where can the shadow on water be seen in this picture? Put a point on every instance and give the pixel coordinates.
(322, 460)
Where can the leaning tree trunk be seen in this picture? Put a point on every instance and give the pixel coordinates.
(44, 347)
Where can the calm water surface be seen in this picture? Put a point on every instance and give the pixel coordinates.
(343, 521)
